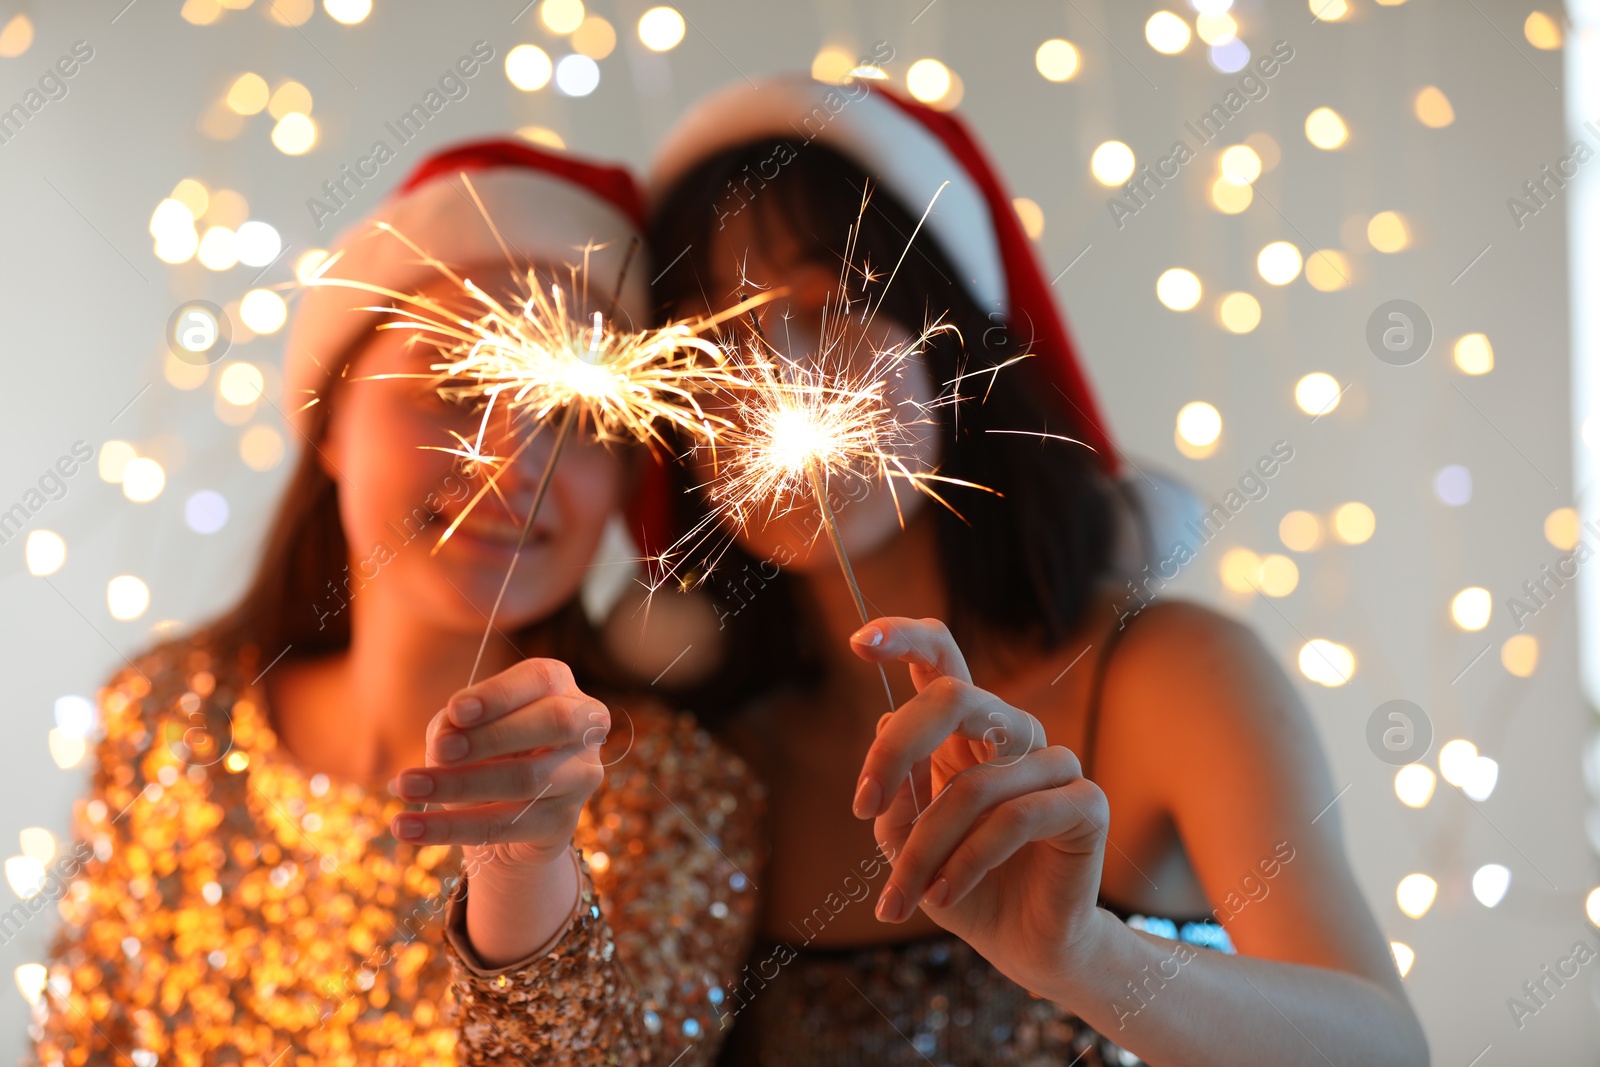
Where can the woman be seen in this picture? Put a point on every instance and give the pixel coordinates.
(1180, 764)
(252, 892)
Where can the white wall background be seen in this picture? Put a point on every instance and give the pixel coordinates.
(84, 301)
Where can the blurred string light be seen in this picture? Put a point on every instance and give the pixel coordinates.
(1561, 528)
(143, 479)
(1474, 355)
(561, 17)
(1239, 164)
(1542, 31)
(1230, 197)
(291, 12)
(595, 38)
(305, 267)
(1490, 882)
(1403, 954)
(348, 12)
(528, 67)
(1327, 271)
(241, 384)
(1058, 60)
(1198, 430)
(1414, 785)
(1354, 523)
(114, 457)
(1111, 163)
(1326, 662)
(1415, 894)
(543, 136)
(1433, 108)
(1279, 263)
(1470, 608)
(289, 98)
(1317, 393)
(1326, 129)
(263, 311)
(1239, 570)
(45, 552)
(206, 511)
(127, 597)
(261, 448)
(661, 29)
(1216, 29)
(1387, 232)
(934, 84)
(16, 35)
(1329, 10)
(1520, 655)
(832, 64)
(1300, 531)
(1239, 312)
(1278, 575)
(248, 94)
(1229, 56)
(218, 248)
(257, 243)
(1178, 289)
(1452, 485)
(577, 75)
(1167, 33)
(295, 134)
(1031, 215)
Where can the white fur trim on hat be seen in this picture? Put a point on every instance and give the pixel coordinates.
(542, 218)
(891, 146)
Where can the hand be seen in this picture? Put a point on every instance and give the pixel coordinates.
(1007, 852)
(512, 759)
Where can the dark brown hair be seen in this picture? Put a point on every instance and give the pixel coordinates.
(1022, 562)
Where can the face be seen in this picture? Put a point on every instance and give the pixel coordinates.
(750, 259)
(398, 494)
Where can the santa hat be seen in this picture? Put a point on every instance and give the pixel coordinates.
(543, 206)
(911, 151)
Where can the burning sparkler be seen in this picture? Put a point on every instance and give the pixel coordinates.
(540, 355)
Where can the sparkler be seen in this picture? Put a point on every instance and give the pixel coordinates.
(538, 356)
(796, 425)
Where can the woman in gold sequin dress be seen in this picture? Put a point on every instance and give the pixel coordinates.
(1046, 892)
(291, 856)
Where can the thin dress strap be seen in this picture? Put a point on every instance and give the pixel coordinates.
(1096, 688)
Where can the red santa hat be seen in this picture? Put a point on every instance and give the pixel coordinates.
(910, 151)
(545, 206)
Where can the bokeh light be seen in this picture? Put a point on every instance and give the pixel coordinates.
(1326, 662)
(1239, 569)
(44, 551)
(1300, 531)
(263, 310)
(1199, 423)
(1230, 197)
(1057, 60)
(1111, 163)
(1240, 164)
(1354, 523)
(1178, 289)
(1474, 354)
(1470, 608)
(1490, 882)
(1317, 393)
(1239, 312)
(1327, 271)
(248, 94)
(295, 134)
(928, 80)
(1167, 33)
(1542, 31)
(528, 67)
(114, 457)
(348, 12)
(1279, 263)
(1414, 784)
(240, 384)
(127, 597)
(661, 29)
(1433, 108)
(143, 479)
(1031, 215)
(1278, 575)
(261, 448)
(1415, 894)
(1520, 655)
(1326, 129)
(561, 17)
(1561, 528)
(595, 38)
(577, 75)
(1387, 232)
(1453, 485)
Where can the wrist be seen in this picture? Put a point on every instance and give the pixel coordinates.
(1081, 965)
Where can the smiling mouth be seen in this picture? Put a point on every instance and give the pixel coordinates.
(502, 534)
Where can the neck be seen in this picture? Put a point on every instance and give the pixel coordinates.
(902, 578)
(398, 672)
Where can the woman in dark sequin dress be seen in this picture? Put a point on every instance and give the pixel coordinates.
(1051, 884)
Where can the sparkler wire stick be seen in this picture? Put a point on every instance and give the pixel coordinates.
(569, 419)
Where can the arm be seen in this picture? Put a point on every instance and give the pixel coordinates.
(671, 846)
(1247, 785)
(1008, 854)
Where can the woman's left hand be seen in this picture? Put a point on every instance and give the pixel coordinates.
(1008, 851)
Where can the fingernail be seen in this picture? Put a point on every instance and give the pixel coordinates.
(468, 710)
(869, 794)
(416, 784)
(870, 636)
(410, 829)
(452, 747)
(939, 892)
(889, 904)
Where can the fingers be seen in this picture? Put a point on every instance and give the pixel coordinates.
(509, 690)
(523, 777)
(487, 824)
(983, 818)
(924, 644)
(558, 721)
(943, 709)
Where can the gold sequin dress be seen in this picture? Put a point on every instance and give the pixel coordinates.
(220, 906)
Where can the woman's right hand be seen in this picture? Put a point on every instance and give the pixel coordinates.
(512, 760)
